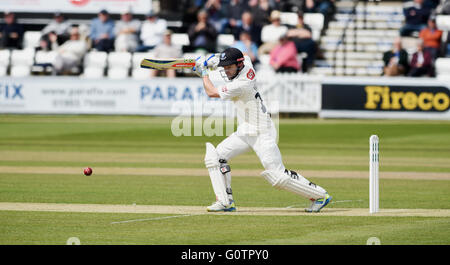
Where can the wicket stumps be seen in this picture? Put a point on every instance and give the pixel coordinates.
(373, 177)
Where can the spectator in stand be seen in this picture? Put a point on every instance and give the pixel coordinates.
(421, 62)
(270, 34)
(283, 58)
(202, 35)
(152, 32)
(11, 33)
(431, 37)
(248, 25)
(234, 11)
(126, 32)
(57, 30)
(166, 50)
(102, 32)
(247, 46)
(396, 60)
(416, 16)
(325, 7)
(261, 11)
(70, 53)
(302, 37)
(216, 14)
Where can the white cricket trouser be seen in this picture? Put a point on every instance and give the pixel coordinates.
(266, 148)
(264, 144)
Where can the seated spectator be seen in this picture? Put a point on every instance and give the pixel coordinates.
(431, 37)
(57, 30)
(166, 50)
(49, 42)
(233, 12)
(102, 32)
(416, 16)
(248, 25)
(202, 35)
(270, 34)
(152, 32)
(283, 57)
(325, 7)
(421, 62)
(11, 33)
(261, 11)
(126, 32)
(396, 60)
(70, 53)
(247, 46)
(302, 37)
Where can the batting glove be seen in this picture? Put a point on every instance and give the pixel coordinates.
(212, 61)
(200, 67)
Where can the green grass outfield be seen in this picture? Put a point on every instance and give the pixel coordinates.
(137, 161)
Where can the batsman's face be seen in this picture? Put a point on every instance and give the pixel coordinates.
(230, 70)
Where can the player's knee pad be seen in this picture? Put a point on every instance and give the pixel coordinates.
(212, 159)
(224, 167)
(211, 156)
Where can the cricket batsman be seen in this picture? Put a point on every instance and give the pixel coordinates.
(256, 131)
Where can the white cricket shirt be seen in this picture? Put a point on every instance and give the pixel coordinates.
(252, 113)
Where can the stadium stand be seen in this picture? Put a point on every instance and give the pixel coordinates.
(442, 68)
(95, 64)
(224, 41)
(314, 20)
(355, 41)
(351, 43)
(119, 64)
(31, 39)
(43, 62)
(21, 62)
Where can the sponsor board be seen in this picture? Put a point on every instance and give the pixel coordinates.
(78, 96)
(398, 98)
(158, 96)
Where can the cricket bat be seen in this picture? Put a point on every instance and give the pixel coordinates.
(161, 64)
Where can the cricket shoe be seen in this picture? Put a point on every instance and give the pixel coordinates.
(219, 207)
(318, 204)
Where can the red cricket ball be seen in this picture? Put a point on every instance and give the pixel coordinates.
(88, 171)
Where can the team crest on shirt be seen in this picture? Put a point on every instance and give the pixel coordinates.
(251, 74)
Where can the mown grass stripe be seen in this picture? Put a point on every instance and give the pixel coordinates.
(203, 172)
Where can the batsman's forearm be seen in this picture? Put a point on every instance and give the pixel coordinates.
(210, 89)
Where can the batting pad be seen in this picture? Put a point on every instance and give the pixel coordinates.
(300, 186)
(217, 179)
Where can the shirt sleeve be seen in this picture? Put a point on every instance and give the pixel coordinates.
(93, 33)
(231, 90)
